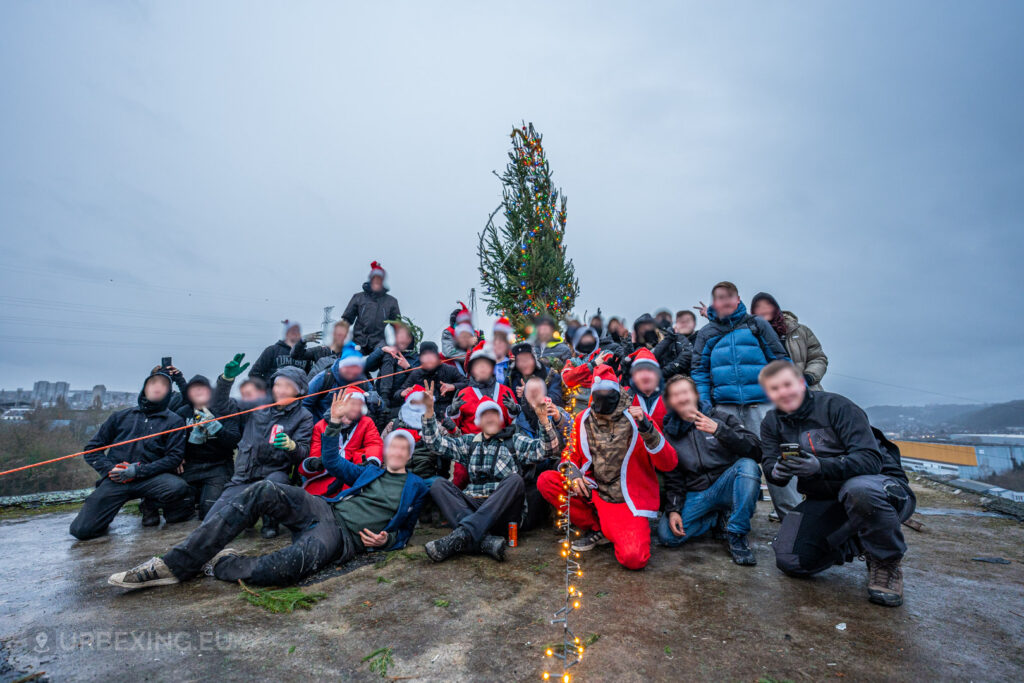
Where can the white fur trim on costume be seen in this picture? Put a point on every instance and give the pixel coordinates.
(605, 385)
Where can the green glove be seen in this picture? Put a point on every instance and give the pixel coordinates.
(284, 442)
(234, 368)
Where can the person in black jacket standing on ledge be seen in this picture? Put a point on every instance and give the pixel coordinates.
(142, 469)
(717, 473)
(857, 492)
(368, 310)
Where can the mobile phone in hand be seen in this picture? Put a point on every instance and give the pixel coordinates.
(790, 450)
(165, 362)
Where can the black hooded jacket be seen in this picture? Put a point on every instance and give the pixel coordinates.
(445, 373)
(275, 357)
(837, 431)
(704, 457)
(155, 455)
(366, 312)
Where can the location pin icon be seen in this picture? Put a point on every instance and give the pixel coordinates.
(41, 639)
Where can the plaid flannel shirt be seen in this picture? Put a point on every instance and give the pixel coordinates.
(489, 461)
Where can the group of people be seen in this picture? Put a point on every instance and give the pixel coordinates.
(662, 428)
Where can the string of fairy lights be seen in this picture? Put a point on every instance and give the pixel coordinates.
(572, 648)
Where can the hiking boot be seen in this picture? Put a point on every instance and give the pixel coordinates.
(493, 546)
(885, 582)
(740, 550)
(150, 514)
(589, 541)
(454, 543)
(227, 552)
(152, 572)
(269, 528)
(719, 532)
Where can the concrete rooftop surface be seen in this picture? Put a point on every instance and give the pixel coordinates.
(691, 615)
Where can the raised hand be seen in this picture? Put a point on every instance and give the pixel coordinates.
(447, 388)
(313, 336)
(703, 309)
(339, 406)
(428, 400)
(637, 413)
(234, 368)
(284, 442)
(705, 423)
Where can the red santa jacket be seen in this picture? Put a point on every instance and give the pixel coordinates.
(638, 479)
(657, 414)
(466, 421)
(363, 443)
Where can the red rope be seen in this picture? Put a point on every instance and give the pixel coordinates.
(216, 419)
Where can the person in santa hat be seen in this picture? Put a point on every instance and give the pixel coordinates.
(502, 343)
(482, 385)
(358, 440)
(495, 458)
(645, 379)
(578, 372)
(368, 310)
(279, 354)
(617, 449)
(459, 322)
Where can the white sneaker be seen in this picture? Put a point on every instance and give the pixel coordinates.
(152, 572)
(227, 552)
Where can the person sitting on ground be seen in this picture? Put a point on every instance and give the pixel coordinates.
(391, 359)
(368, 310)
(546, 341)
(358, 439)
(802, 345)
(495, 458)
(376, 512)
(686, 325)
(535, 392)
(140, 469)
(274, 440)
(482, 386)
(617, 449)
(502, 348)
(347, 370)
(857, 492)
(717, 473)
(323, 356)
(526, 365)
(279, 354)
(645, 379)
(444, 376)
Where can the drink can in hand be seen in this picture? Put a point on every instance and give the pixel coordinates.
(274, 431)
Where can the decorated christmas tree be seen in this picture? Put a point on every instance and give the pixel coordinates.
(523, 266)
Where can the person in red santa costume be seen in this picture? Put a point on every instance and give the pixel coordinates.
(359, 442)
(617, 449)
(645, 379)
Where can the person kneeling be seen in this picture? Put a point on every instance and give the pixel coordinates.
(857, 492)
(494, 458)
(717, 473)
(377, 512)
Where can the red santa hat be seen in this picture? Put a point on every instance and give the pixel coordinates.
(464, 315)
(464, 327)
(642, 358)
(482, 350)
(605, 379)
(484, 406)
(503, 326)
(287, 325)
(416, 393)
(377, 270)
(401, 434)
(355, 392)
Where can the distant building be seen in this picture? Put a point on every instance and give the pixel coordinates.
(967, 456)
(16, 414)
(49, 393)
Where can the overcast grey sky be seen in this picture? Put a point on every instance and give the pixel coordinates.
(175, 178)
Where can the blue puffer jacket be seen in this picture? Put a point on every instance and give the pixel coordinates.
(727, 356)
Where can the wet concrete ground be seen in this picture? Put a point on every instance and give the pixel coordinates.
(691, 615)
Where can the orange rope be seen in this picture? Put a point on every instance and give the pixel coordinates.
(216, 419)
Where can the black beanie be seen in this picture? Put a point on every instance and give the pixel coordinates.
(428, 347)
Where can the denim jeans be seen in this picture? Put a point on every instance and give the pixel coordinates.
(736, 490)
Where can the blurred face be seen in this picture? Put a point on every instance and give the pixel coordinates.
(250, 392)
(764, 309)
(587, 343)
(492, 422)
(663, 317)
(646, 379)
(786, 390)
(156, 388)
(501, 346)
(535, 391)
(545, 332)
(199, 395)
(293, 335)
(338, 336)
(403, 339)
(376, 283)
(482, 370)
(685, 324)
(616, 327)
(724, 302)
(465, 340)
(429, 360)
(597, 323)
(682, 399)
(397, 454)
(354, 409)
(284, 388)
(642, 329)
(351, 373)
(526, 363)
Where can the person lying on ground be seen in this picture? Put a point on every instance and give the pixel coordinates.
(376, 512)
(494, 458)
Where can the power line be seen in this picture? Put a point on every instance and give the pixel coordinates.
(900, 386)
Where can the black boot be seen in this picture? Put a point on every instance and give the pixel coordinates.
(719, 532)
(493, 546)
(150, 513)
(454, 543)
(741, 552)
(269, 528)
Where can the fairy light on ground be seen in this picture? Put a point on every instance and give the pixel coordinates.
(572, 648)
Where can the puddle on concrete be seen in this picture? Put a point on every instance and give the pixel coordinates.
(957, 512)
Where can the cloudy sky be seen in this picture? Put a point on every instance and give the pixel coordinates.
(175, 178)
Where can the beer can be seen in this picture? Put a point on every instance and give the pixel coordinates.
(513, 534)
(274, 431)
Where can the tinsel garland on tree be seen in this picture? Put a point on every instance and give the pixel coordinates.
(523, 266)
